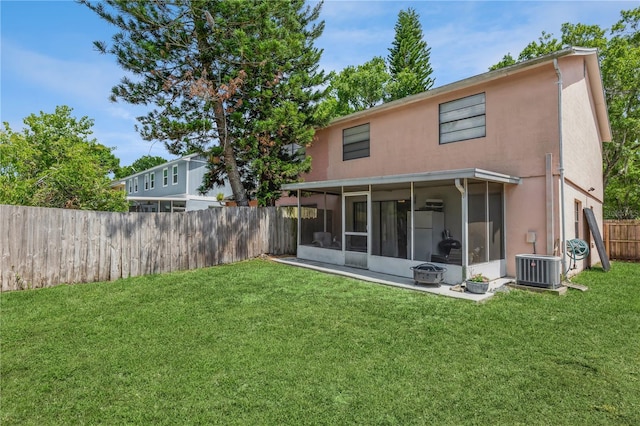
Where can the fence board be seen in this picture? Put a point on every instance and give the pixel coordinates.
(67, 249)
(43, 247)
(623, 239)
(51, 268)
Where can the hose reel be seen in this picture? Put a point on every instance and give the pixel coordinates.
(577, 249)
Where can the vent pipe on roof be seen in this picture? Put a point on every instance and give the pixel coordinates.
(561, 160)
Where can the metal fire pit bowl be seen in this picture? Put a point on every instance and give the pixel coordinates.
(428, 273)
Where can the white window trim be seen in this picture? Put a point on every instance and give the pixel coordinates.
(130, 186)
(146, 181)
(135, 184)
(174, 174)
(152, 180)
(165, 176)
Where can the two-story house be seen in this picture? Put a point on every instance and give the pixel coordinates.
(467, 175)
(172, 187)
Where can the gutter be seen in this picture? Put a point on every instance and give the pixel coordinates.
(465, 83)
(561, 167)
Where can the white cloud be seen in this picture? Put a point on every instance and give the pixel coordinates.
(466, 38)
(121, 112)
(88, 82)
(129, 146)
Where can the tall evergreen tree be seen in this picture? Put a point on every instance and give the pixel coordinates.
(409, 58)
(234, 80)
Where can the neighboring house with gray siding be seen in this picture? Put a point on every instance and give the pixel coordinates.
(171, 187)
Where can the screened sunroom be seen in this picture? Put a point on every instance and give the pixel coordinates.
(454, 219)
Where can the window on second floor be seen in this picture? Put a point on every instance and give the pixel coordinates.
(355, 142)
(463, 119)
(130, 184)
(135, 184)
(152, 179)
(174, 174)
(165, 177)
(146, 182)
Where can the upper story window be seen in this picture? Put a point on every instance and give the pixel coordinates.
(152, 179)
(165, 177)
(135, 184)
(130, 182)
(463, 119)
(146, 182)
(355, 142)
(174, 174)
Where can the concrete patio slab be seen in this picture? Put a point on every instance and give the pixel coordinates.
(393, 280)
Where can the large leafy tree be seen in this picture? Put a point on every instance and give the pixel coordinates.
(235, 80)
(619, 54)
(143, 163)
(409, 58)
(53, 162)
(356, 88)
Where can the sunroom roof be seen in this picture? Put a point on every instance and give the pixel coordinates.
(445, 175)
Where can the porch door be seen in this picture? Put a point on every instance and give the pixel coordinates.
(356, 219)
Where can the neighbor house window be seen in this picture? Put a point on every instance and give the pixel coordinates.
(152, 179)
(463, 119)
(355, 142)
(165, 177)
(135, 184)
(146, 182)
(174, 173)
(130, 186)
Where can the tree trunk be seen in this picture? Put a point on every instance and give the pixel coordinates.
(230, 164)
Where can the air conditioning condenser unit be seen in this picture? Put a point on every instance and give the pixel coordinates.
(539, 270)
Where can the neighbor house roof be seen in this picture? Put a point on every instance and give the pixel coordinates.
(122, 181)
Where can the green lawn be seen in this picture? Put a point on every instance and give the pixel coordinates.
(264, 343)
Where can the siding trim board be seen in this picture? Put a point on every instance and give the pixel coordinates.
(463, 119)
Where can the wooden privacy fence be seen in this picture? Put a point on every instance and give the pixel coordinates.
(622, 239)
(42, 247)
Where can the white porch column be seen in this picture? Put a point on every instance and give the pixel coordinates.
(465, 226)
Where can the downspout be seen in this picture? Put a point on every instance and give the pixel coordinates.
(465, 228)
(561, 159)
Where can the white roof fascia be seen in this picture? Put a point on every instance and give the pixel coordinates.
(467, 82)
(174, 198)
(412, 177)
(157, 198)
(160, 166)
(599, 98)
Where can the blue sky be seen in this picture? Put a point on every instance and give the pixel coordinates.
(47, 55)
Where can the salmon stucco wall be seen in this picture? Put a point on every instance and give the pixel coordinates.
(521, 124)
(522, 128)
